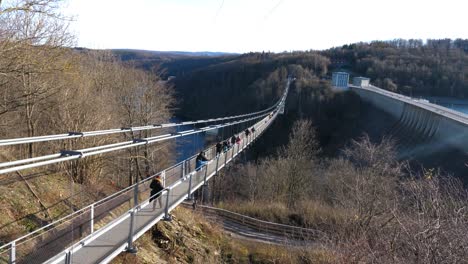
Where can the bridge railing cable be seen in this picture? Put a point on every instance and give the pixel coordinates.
(82, 153)
(78, 134)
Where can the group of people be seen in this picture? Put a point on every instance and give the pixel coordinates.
(224, 146)
(201, 160)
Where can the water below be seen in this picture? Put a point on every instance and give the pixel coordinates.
(192, 144)
(189, 145)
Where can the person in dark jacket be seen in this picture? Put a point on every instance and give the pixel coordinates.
(226, 146)
(156, 188)
(219, 148)
(233, 140)
(201, 161)
(247, 133)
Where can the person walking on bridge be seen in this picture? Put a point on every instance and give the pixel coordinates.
(219, 148)
(238, 140)
(226, 146)
(201, 161)
(247, 133)
(233, 140)
(156, 188)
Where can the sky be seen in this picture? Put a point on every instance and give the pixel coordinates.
(259, 25)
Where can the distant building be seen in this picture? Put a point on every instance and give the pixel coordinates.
(361, 81)
(340, 80)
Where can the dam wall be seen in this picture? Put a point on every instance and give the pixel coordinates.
(425, 121)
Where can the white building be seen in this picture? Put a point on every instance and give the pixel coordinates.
(340, 79)
(361, 81)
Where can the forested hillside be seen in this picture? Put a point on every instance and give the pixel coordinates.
(215, 86)
(437, 67)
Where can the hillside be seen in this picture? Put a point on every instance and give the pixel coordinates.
(190, 238)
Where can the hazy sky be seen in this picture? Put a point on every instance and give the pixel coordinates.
(257, 25)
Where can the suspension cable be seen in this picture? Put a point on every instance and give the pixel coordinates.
(77, 134)
(82, 153)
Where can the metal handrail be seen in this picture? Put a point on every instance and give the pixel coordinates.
(75, 134)
(82, 153)
(263, 222)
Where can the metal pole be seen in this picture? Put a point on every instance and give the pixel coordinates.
(206, 174)
(225, 158)
(135, 195)
(13, 253)
(183, 169)
(189, 195)
(130, 247)
(167, 217)
(217, 162)
(163, 173)
(92, 219)
(68, 258)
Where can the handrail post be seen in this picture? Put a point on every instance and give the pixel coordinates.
(130, 247)
(13, 252)
(167, 217)
(163, 176)
(189, 194)
(217, 163)
(206, 174)
(225, 158)
(68, 257)
(92, 219)
(135, 195)
(183, 169)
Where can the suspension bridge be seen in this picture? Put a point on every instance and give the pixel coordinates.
(97, 233)
(100, 231)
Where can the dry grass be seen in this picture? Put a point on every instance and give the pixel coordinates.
(190, 238)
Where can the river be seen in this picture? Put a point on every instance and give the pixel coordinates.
(190, 145)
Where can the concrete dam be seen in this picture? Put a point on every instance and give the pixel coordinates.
(422, 129)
